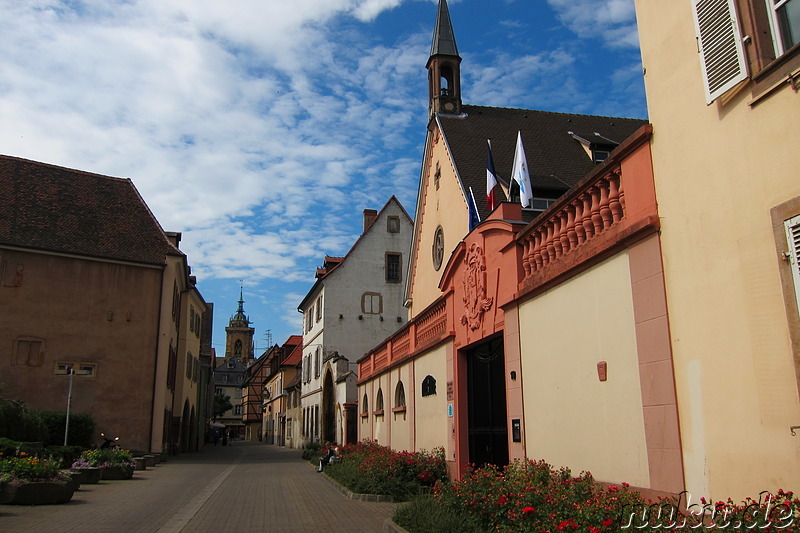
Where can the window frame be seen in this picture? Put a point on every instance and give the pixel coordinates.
(773, 6)
(399, 277)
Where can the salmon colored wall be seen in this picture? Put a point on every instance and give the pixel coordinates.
(100, 313)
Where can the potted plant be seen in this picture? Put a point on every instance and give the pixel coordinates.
(27, 480)
(116, 464)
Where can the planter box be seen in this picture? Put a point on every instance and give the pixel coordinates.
(141, 463)
(37, 493)
(112, 473)
(88, 475)
(151, 460)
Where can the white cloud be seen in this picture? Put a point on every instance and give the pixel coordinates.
(614, 21)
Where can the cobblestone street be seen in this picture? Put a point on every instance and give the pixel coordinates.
(245, 487)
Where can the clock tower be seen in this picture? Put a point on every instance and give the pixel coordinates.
(239, 336)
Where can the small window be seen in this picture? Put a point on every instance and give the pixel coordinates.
(189, 363)
(371, 303)
(317, 361)
(438, 248)
(428, 386)
(197, 324)
(393, 265)
(28, 351)
(600, 155)
(191, 319)
(88, 370)
(319, 308)
(237, 409)
(379, 402)
(437, 176)
(399, 395)
(393, 224)
(364, 404)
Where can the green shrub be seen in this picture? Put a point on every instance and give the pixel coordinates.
(81, 428)
(311, 452)
(17, 422)
(8, 447)
(424, 515)
(64, 455)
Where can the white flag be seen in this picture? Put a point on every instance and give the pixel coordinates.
(520, 173)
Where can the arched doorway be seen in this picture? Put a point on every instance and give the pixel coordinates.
(328, 408)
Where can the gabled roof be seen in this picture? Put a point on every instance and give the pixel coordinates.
(332, 263)
(556, 160)
(56, 209)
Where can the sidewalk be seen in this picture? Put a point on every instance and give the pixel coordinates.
(246, 487)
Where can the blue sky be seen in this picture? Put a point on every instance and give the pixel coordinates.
(261, 129)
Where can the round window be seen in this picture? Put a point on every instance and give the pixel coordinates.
(438, 248)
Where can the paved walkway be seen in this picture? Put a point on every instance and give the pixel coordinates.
(246, 487)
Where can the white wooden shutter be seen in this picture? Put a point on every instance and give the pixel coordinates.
(720, 44)
(793, 236)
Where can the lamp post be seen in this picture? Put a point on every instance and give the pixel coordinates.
(71, 371)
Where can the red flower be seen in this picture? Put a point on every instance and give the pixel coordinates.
(502, 500)
(529, 510)
(607, 522)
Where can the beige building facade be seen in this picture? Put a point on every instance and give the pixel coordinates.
(728, 188)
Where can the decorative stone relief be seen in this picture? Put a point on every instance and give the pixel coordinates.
(475, 301)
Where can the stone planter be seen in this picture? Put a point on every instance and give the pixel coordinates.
(75, 477)
(112, 473)
(88, 475)
(141, 463)
(37, 493)
(151, 459)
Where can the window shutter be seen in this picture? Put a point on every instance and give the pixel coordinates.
(720, 44)
(793, 236)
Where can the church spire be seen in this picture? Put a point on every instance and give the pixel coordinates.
(444, 41)
(444, 70)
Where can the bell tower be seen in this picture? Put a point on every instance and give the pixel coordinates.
(444, 67)
(239, 335)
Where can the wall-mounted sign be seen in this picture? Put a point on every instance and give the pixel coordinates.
(450, 410)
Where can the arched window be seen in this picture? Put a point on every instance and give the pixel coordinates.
(428, 386)
(365, 405)
(237, 348)
(399, 395)
(379, 401)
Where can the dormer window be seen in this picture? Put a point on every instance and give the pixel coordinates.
(598, 156)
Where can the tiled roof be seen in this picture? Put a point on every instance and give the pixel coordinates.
(295, 356)
(556, 161)
(57, 209)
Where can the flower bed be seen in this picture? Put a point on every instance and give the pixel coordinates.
(368, 468)
(532, 496)
(33, 481)
(116, 464)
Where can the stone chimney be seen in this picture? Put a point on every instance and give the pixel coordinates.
(369, 217)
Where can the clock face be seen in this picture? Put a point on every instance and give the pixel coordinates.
(449, 106)
(438, 248)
